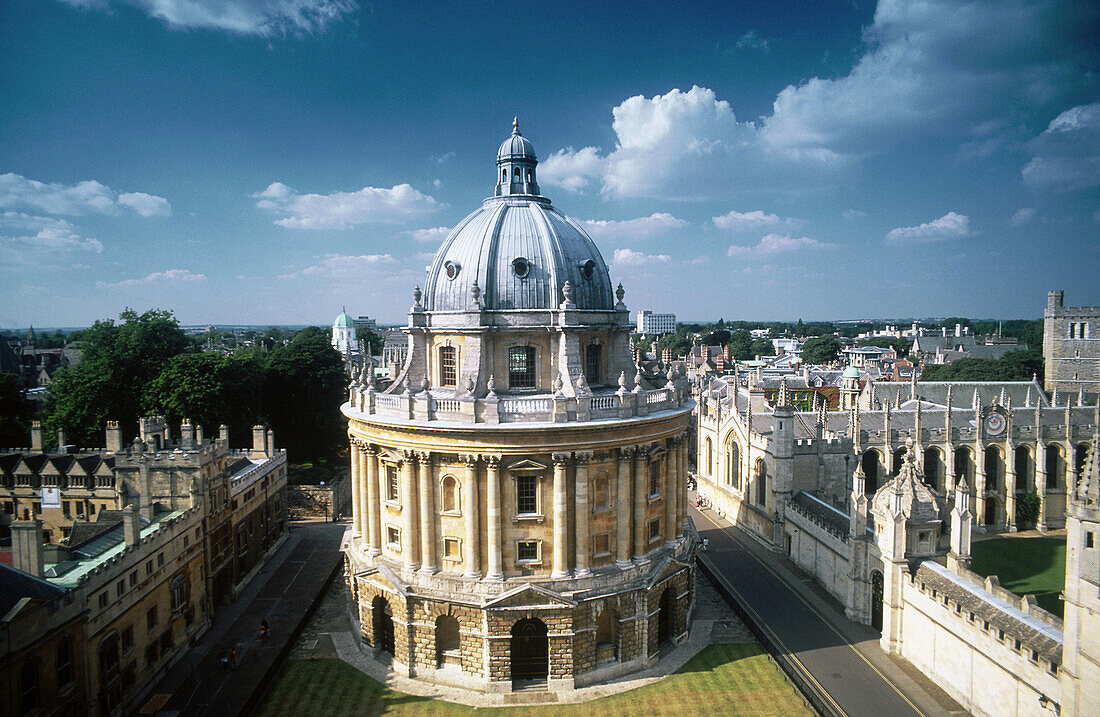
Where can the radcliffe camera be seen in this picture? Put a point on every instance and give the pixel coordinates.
(707, 359)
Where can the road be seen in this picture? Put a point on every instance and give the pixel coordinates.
(853, 685)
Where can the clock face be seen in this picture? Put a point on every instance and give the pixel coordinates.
(994, 424)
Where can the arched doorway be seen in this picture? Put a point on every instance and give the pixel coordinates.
(382, 619)
(1025, 470)
(964, 467)
(530, 650)
(446, 641)
(994, 469)
(876, 600)
(934, 469)
(1056, 467)
(870, 462)
(899, 458)
(664, 618)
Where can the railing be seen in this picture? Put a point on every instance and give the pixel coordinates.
(446, 405)
(526, 405)
(513, 409)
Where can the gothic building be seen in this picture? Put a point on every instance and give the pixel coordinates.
(1071, 346)
(879, 500)
(519, 489)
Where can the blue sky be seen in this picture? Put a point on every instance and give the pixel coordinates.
(270, 161)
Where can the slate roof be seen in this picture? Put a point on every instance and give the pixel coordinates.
(822, 514)
(16, 585)
(1032, 633)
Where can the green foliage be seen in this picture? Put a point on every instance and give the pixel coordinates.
(16, 412)
(741, 345)
(820, 350)
(210, 389)
(721, 337)
(118, 362)
(372, 339)
(303, 387)
(1013, 366)
(145, 365)
(1027, 510)
(762, 347)
(679, 342)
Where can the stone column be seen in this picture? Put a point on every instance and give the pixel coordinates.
(470, 514)
(671, 491)
(584, 510)
(493, 516)
(374, 505)
(408, 511)
(641, 503)
(561, 518)
(681, 503)
(361, 505)
(428, 562)
(1010, 486)
(356, 513)
(622, 508)
(1041, 483)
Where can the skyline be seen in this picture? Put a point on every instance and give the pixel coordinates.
(271, 162)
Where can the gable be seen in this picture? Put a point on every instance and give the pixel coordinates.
(527, 596)
(526, 464)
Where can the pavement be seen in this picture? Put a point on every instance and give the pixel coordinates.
(839, 659)
(285, 593)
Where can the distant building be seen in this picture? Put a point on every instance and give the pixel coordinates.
(365, 322)
(787, 346)
(343, 334)
(760, 333)
(156, 535)
(1071, 346)
(654, 324)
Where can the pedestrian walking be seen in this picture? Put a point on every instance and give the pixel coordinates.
(263, 630)
(233, 657)
(224, 659)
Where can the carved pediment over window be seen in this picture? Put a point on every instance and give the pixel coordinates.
(529, 596)
(526, 464)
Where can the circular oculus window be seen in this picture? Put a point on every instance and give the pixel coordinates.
(521, 266)
(452, 269)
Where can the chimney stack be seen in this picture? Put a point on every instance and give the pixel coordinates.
(61, 442)
(223, 433)
(270, 443)
(131, 525)
(198, 435)
(114, 437)
(36, 435)
(26, 546)
(958, 330)
(259, 442)
(187, 433)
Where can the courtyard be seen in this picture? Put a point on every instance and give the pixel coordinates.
(1025, 565)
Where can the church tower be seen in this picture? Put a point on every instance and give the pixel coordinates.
(1080, 673)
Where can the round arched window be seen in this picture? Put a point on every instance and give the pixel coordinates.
(588, 268)
(452, 269)
(521, 266)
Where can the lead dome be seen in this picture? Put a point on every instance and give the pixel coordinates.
(518, 249)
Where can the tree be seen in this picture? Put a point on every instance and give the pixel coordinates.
(118, 361)
(680, 343)
(16, 412)
(762, 347)
(1013, 366)
(721, 337)
(820, 350)
(799, 329)
(303, 387)
(210, 389)
(370, 339)
(740, 344)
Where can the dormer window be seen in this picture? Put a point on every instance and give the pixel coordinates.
(588, 268)
(521, 266)
(452, 269)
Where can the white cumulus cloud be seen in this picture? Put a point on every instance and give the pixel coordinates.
(87, 197)
(157, 277)
(629, 257)
(1022, 217)
(1066, 156)
(571, 169)
(641, 228)
(245, 17)
(347, 266)
(435, 234)
(752, 221)
(778, 244)
(30, 239)
(147, 205)
(344, 210)
(949, 226)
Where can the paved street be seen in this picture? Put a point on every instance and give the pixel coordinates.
(844, 659)
(284, 593)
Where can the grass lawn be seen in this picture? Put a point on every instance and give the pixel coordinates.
(1025, 565)
(722, 679)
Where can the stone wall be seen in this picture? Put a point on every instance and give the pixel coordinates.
(984, 651)
(317, 501)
